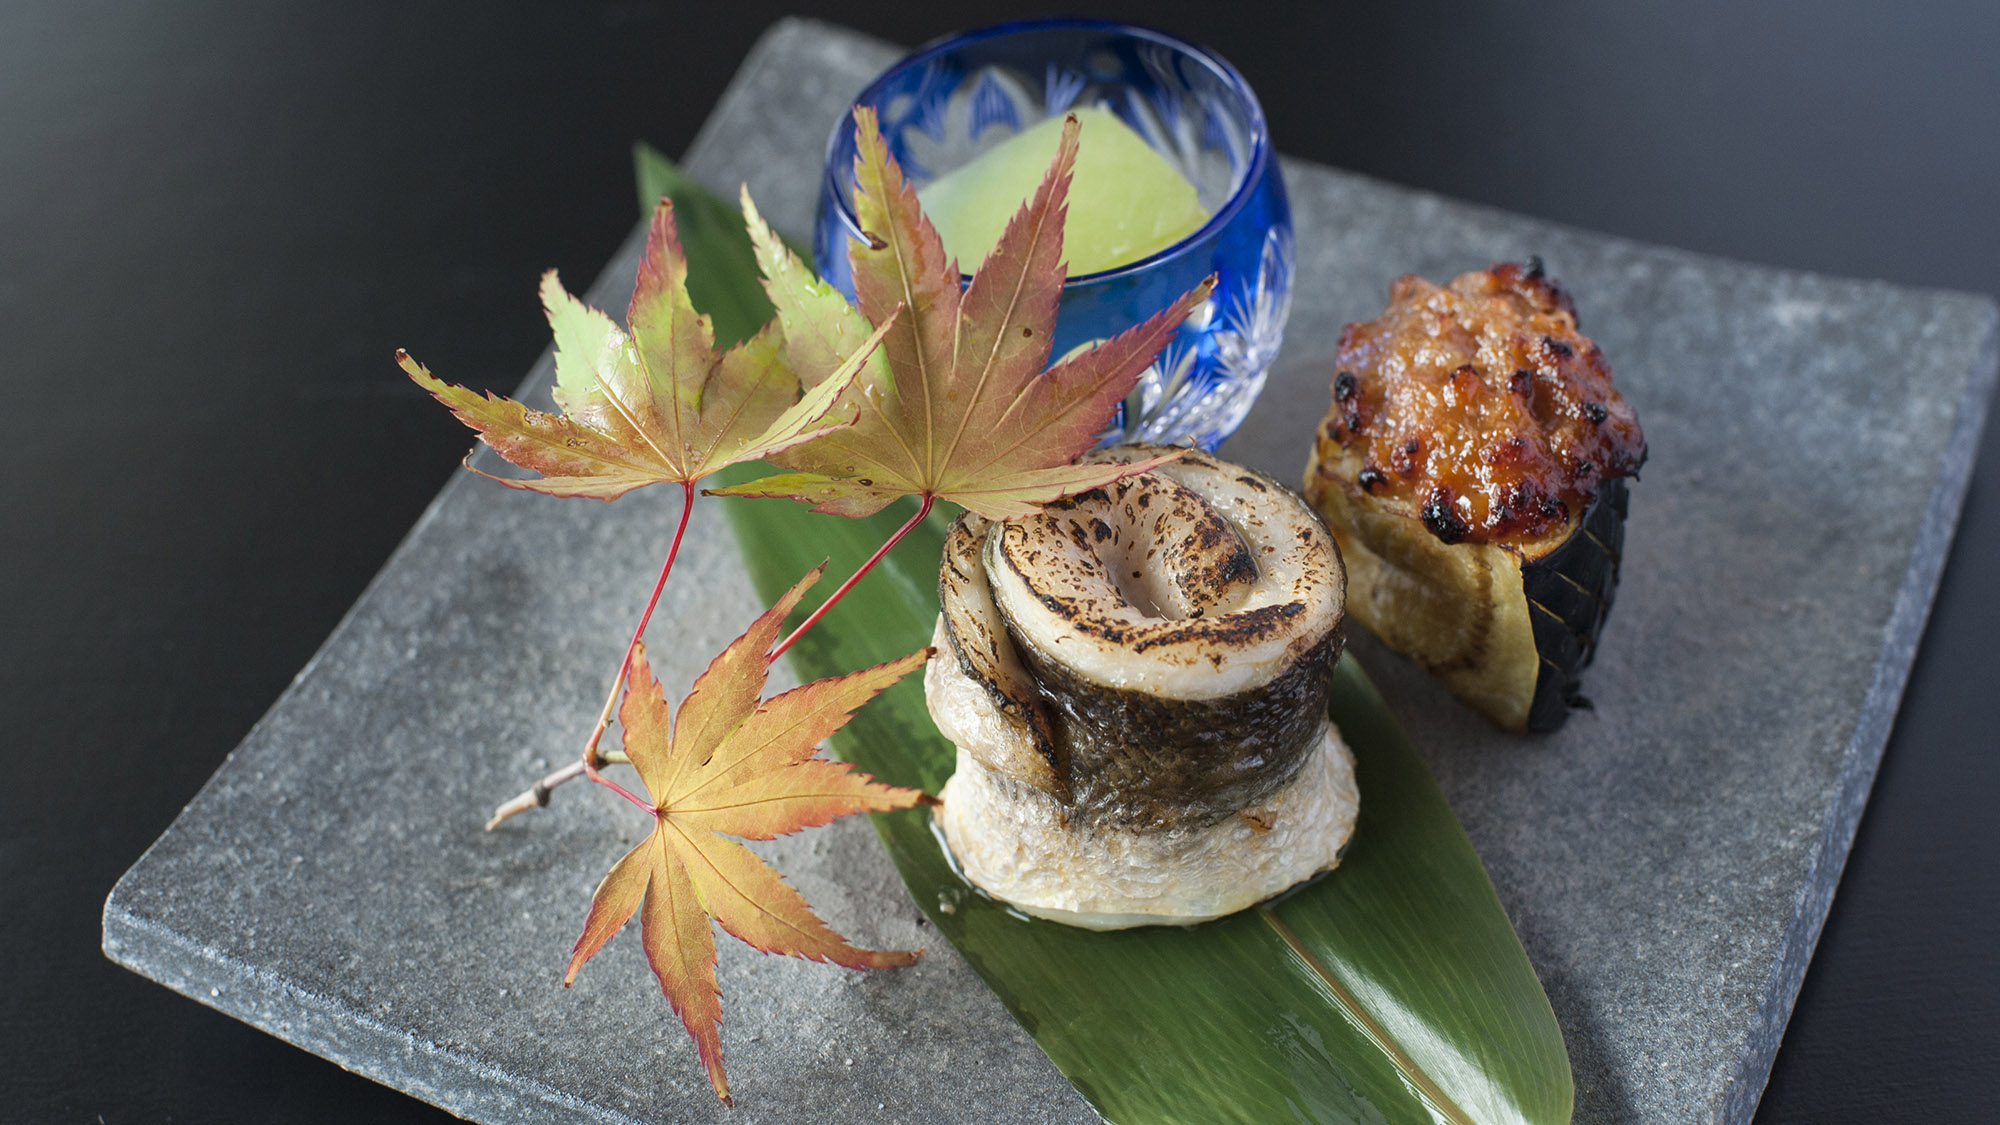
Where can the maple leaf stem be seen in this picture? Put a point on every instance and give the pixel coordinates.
(590, 755)
(537, 795)
(637, 801)
(923, 510)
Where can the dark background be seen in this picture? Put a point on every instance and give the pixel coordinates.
(217, 221)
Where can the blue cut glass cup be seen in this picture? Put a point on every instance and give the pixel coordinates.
(948, 102)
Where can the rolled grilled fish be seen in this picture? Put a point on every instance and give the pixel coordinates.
(1136, 680)
(1473, 467)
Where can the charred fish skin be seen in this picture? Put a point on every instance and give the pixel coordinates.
(1472, 468)
(1137, 676)
(1147, 763)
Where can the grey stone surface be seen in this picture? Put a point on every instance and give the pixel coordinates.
(1667, 858)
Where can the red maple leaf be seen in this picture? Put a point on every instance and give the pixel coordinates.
(731, 764)
(958, 406)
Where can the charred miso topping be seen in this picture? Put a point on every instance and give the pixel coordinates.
(1481, 407)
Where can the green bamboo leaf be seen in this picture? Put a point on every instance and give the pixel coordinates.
(1391, 990)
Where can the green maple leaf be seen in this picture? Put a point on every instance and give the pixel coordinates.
(658, 404)
(956, 406)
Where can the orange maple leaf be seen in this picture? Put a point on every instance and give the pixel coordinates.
(958, 406)
(730, 765)
(657, 404)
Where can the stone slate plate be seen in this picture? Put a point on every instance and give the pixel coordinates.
(1667, 858)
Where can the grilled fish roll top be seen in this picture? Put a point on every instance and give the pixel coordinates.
(1161, 645)
(1472, 468)
(1150, 660)
(1194, 581)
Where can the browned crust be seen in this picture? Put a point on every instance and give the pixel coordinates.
(1479, 408)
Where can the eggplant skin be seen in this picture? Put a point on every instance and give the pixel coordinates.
(1508, 630)
(1569, 592)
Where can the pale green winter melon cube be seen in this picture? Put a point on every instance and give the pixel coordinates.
(1125, 200)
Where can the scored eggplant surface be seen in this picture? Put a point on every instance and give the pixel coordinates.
(1136, 680)
(1472, 469)
(1569, 593)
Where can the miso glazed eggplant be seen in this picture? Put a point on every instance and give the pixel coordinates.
(1136, 680)
(1472, 468)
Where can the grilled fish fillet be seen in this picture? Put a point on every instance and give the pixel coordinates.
(1136, 681)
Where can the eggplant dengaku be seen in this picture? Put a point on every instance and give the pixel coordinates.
(1472, 468)
(1136, 680)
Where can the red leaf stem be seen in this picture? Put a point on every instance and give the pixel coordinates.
(923, 510)
(625, 665)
